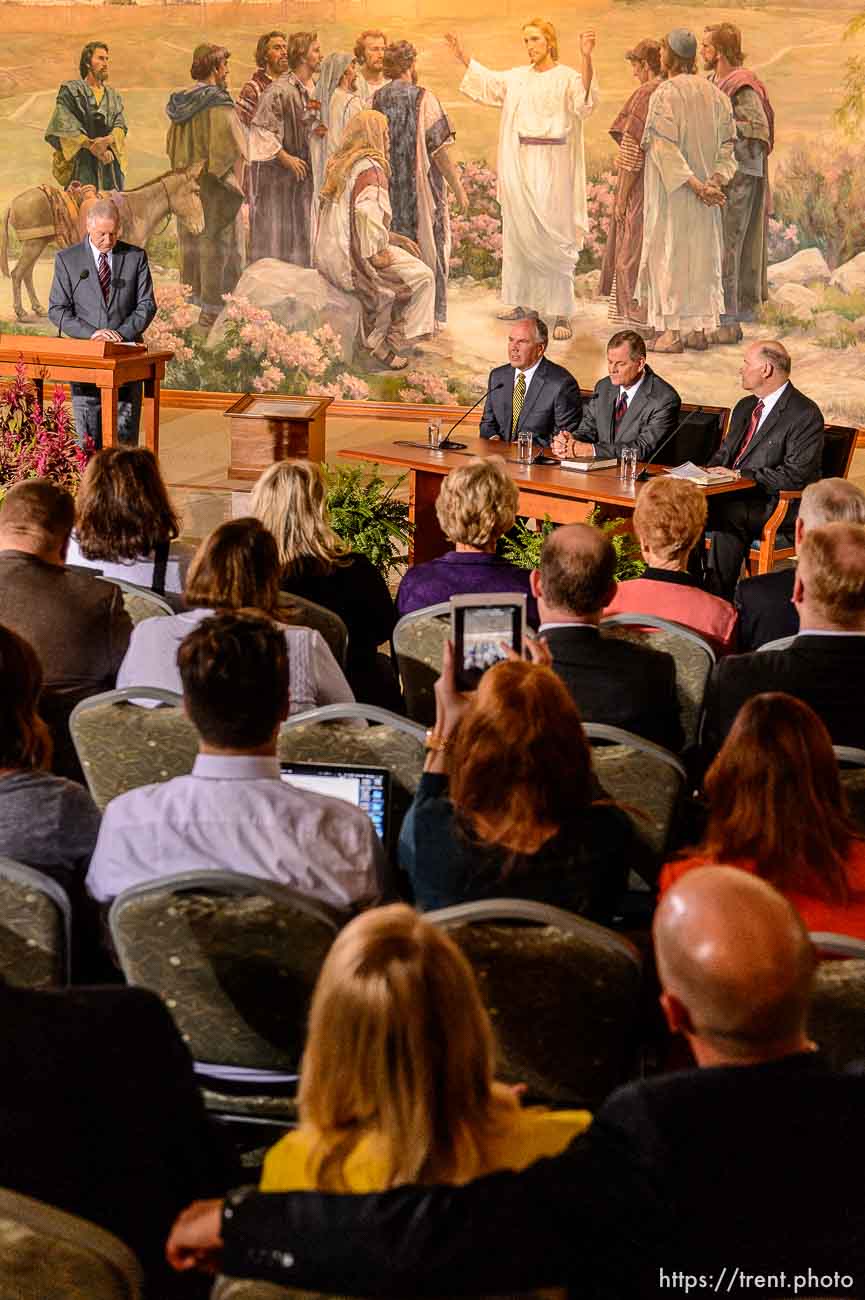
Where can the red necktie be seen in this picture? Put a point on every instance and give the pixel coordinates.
(752, 429)
(104, 273)
(621, 407)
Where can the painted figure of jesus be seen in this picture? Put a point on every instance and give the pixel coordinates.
(541, 169)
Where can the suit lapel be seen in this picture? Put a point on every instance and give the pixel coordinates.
(116, 270)
(538, 381)
(735, 440)
(770, 421)
(634, 407)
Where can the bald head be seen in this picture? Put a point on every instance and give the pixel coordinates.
(765, 367)
(735, 965)
(577, 571)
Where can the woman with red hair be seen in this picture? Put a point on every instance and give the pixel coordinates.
(505, 807)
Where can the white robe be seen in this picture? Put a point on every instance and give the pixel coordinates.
(541, 187)
(689, 132)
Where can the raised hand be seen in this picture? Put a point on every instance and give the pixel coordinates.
(455, 46)
(588, 41)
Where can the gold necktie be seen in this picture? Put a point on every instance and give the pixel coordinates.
(519, 398)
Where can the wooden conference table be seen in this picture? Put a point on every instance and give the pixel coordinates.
(544, 489)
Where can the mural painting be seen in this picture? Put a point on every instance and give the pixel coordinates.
(357, 201)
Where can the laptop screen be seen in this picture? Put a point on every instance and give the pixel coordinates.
(365, 787)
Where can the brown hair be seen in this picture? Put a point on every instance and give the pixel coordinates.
(25, 741)
(832, 572)
(235, 673)
(206, 59)
(261, 47)
(649, 52)
(577, 568)
(399, 1047)
(548, 30)
(398, 58)
(298, 47)
(775, 798)
(360, 43)
(669, 517)
(122, 507)
(520, 765)
(636, 343)
(39, 508)
(477, 502)
(727, 40)
(236, 567)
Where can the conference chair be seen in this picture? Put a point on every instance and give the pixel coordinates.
(35, 928)
(693, 654)
(139, 602)
(780, 643)
(45, 1252)
(234, 1288)
(121, 746)
(851, 763)
(562, 993)
(235, 960)
(418, 643)
(299, 612)
(837, 1012)
(647, 780)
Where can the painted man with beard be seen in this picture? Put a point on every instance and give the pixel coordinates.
(369, 51)
(271, 61)
(87, 130)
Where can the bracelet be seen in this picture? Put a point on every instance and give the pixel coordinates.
(436, 742)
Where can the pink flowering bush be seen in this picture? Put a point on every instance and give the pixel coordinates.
(347, 387)
(600, 198)
(37, 442)
(424, 388)
(169, 331)
(476, 235)
(784, 240)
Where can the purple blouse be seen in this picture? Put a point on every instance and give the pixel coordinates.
(462, 573)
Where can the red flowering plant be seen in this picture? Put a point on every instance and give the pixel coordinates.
(37, 442)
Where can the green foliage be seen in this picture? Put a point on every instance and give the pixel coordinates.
(820, 188)
(522, 546)
(162, 248)
(367, 516)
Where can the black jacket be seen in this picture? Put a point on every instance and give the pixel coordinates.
(784, 455)
(766, 609)
(552, 402)
(652, 415)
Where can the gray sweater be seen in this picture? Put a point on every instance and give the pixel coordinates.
(48, 823)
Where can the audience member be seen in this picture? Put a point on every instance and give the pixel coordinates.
(611, 680)
(826, 662)
(669, 519)
(505, 804)
(290, 499)
(476, 506)
(76, 623)
(124, 522)
(233, 812)
(765, 603)
(46, 821)
(776, 808)
(236, 567)
(397, 1083)
(719, 1171)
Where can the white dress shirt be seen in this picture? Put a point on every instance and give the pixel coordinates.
(139, 571)
(315, 678)
(96, 256)
(235, 814)
(769, 402)
(529, 374)
(630, 393)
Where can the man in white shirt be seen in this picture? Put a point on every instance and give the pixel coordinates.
(530, 392)
(233, 812)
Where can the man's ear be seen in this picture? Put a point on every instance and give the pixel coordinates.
(535, 584)
(798, 590)
(676, 1014)
(799, 532)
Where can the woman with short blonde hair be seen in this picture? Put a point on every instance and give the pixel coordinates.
(397, 1080)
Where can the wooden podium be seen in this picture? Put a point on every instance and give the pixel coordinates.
(92, 361)
(269, 427)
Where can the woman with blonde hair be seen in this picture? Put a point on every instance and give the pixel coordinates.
(476, 506)
(397, 1082)
(290, 499)
(236, 567)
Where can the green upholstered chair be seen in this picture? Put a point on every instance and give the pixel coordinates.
(139, 602)
(235, 960)
(562, 992)
(645, 778)
(35, 927)
(232, 1288)
(418, 643)
(836, 1020)
(47, 1253)
(121, 745)
(299, 612)
(852, 764)
(694, 658)
(780, 643)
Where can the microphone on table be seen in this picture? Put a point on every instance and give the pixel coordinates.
(446, 444)
(83, 275)
(644, 472)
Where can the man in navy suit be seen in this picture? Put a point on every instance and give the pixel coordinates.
(531, 392)
(102, 290)
(776, 438)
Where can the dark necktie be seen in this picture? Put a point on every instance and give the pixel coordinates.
(752, 429)
(621, 407)
(104, 273)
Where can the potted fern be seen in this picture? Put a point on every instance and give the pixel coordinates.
(522, 546)
(368, 516)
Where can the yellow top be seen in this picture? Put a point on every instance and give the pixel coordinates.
(531, 1133)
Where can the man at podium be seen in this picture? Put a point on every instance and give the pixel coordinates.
(102, 290)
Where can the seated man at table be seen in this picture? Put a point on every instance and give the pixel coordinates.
(633, 407)
(530, 392)
(775, 438)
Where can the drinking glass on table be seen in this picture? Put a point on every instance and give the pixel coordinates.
(628, 465)
(525, 446)
(434, 433)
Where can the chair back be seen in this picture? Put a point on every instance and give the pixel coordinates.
(331, 735)
(139, 602)
(35, 928)
(853, 785)
(839, 444)
(296, 611)
(647, 780)
(830, 944)
(47, 1252)
(780, 643)
(701, 429)
(122, 745)
(418, 643)
(849, 756)
(234, 958)
(562, 993)
(837, 1011)
(693, 654)
(239, 1288)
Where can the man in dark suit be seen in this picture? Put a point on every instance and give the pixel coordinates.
(612, 680)
(776, 438)
(102, 290)
(749, 1165)
(634, 407)
(825, 665)
(765, 603)
(530, 392)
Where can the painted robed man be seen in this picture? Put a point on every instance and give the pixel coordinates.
(541, 170)
(271, 61)
(339, 101)
(421, 164)
(358, 251)
(369, 51)
(88, 129)
(746, 212)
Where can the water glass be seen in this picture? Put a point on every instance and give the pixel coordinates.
(434, 433)
(525, 446)
(628, 465)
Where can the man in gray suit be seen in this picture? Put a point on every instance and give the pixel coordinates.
(102, 290)
(634, 407)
